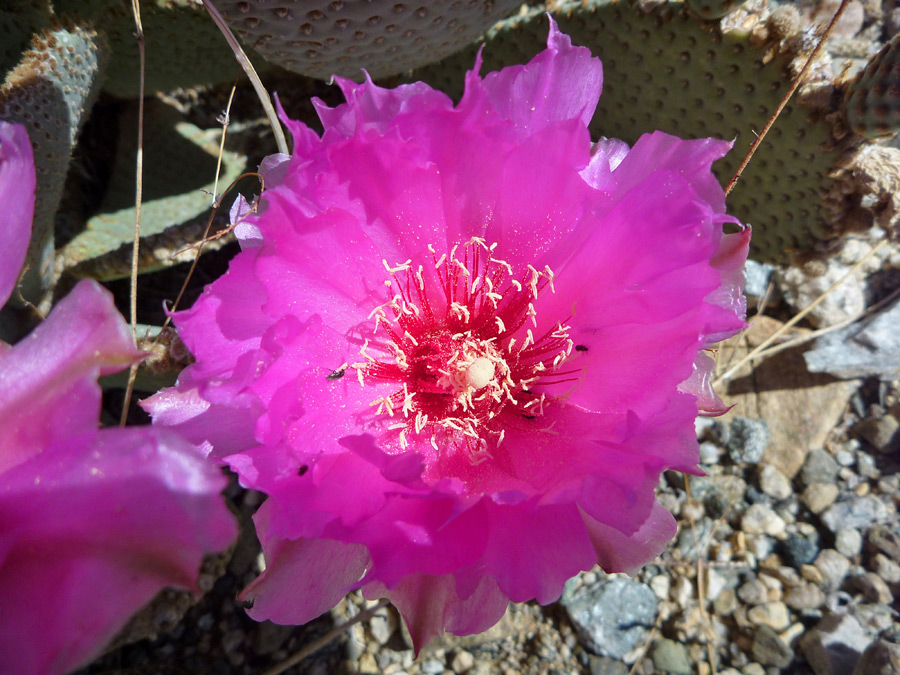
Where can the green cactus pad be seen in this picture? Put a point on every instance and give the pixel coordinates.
(665, 70)
(183, 46)
(51, 92)
(714, 9)
(321, 38)
(19, 21)
(872, 101)
(179, 173)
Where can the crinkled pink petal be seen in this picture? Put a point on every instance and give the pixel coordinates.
(561, 83)
(17, 185)
(53, 372)
(319, 573)
(431, 606)
(101, 521)
(621, 552)
(699, 385)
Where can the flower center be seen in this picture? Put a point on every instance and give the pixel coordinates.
(457, 340)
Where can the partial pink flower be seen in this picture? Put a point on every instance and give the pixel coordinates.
(460, 345)
(17, 181)
(93, 523)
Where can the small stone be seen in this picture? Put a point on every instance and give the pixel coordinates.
(726, 603)
(833, 567)
(670, 656)
(432, 667)
(804, 597)
(856, 512)
(775, 615)
(613, 617)
(769, 649)
(819, 467)
(602, 665)
(748, 440)
(834, 646)
(715, 583)
(848, 542)
(793, 631)
(886, 568)
(872, 587)
(660, 585)
(800, 550)
(462, 661)
(819, 496)
(886, 539)
(709, 453)
(682, 591)
(757, 276)
(880, 658)
(753, 592)
(774, 483)
(760, 519)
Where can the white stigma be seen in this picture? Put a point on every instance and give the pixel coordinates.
(479, 373)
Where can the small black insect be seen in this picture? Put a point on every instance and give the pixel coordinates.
(302, 470)
(336, 375)
(529, 417)
(580, 348)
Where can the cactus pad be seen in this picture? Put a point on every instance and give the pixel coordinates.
(872, 102)
(666, 70)
(51, 92)
(714, 9)
(321, 38)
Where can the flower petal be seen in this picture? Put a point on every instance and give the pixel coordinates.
(17, 185)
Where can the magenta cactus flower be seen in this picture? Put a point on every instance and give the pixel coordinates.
(17, 183)
(461, 344)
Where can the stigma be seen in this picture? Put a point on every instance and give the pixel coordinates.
(456, 337)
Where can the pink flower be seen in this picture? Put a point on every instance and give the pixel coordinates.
(17, 197)
(93, 523)
(460, 345)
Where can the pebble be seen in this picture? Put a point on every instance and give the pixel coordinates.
(748, 440)
(709, 453)
(819, 467)
(757, 276)
(848, 542)
(772, 614)
(833, 647)
(886, 539)
(462, 661)
(769, 649)
(801, 550)
(660, 585)
(760, 519)
(880, 658)
(833, 566)
(774, 483)
(753, 592)
(819, 496)
(872, 587)
(886, 568)
(726, 603)
(670, 656)
(846, 301)
(613, 617)
(432, 667)
(856, 512)
(805, 597)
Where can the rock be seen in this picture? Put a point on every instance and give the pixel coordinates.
(613, 617)
(775, 615)
(880, 658)
(462, 661)
(753, 592)
(760, 519)
(671, 657)
(726, 603)
(834, 646)
(769, 649)
(886, 539)
(848, 542)
(804, 597)
(757, 276)
(881, 432)
(819, 467)
(800, 550)
(856, 512)
(268, 637)
(847, 301)
(886, 568)
(602, 665)
(833, 567)
(748, 440)
(872, 587)
(870, 347)
(709, 453)
(819, 496)
(774, 483)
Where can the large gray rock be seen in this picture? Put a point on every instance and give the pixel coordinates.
(834, 646)
(856, 512)
(881, 658)
(871, 346)
(613, 617)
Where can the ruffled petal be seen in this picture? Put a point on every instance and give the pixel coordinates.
(17, 185)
